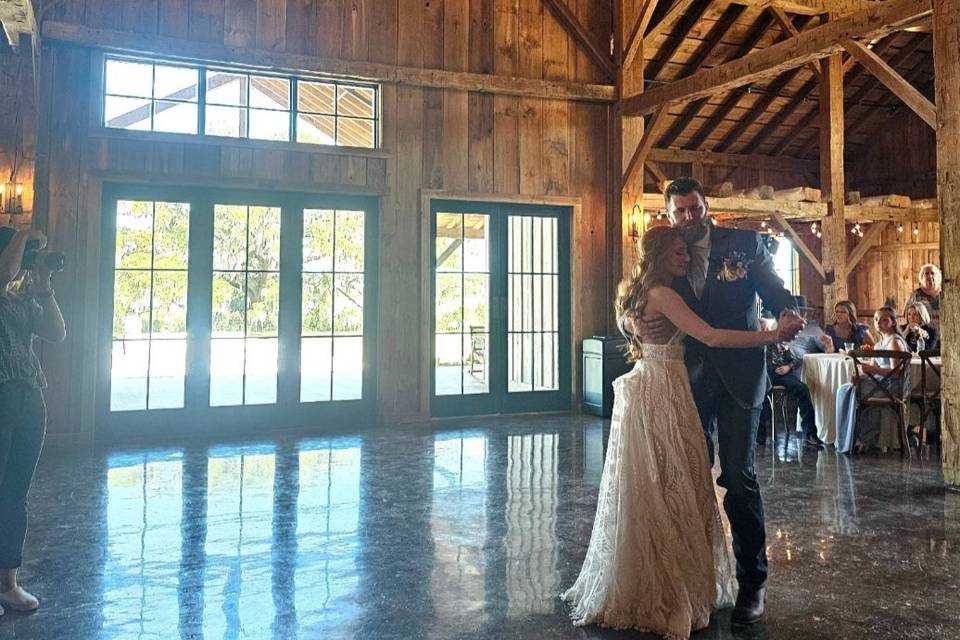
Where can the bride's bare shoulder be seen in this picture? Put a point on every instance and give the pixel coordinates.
(661, 294)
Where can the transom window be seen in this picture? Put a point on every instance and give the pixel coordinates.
(149, 96)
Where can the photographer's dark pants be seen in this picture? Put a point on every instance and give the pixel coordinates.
(23, 420)
(736, 429)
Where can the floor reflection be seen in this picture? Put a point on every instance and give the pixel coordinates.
(466, 532)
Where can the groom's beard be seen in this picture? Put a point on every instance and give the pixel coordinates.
(695, 232)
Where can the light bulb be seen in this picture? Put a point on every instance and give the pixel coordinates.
(19, 189)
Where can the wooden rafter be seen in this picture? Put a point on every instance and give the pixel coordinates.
(656, 171)
(677, 9)
(788, 139)
(876, 21)
(888, 114)
(870, 238)
(812, 7)
(569, 21)
(894, 82)
(882, 114)
(636, 34)
(759, 108)
(780, 116)
(872, 82)
(676, 38)
(688, 156)
(799, 243)
(650, 132)
(787, 25)
(692, 110)
(713, 38)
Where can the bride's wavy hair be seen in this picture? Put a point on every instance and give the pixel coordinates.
(649, 272)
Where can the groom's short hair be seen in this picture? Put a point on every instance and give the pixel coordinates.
(682, 187)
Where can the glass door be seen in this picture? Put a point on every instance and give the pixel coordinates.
(500, 287)
(224, 310)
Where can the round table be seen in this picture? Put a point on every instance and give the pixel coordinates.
(823, 373)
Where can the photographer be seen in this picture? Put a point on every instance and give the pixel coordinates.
(28, 308)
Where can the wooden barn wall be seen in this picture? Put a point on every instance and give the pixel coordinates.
(18, 128)
(434, 139)
(902, 159)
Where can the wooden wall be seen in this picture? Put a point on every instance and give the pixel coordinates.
(902, 159)
(18, 127)
(433, 138)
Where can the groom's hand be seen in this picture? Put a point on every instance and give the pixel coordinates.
(654, 330)
(789, 325)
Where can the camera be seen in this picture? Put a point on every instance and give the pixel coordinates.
(32, 256)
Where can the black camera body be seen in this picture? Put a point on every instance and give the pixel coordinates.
(33, 255)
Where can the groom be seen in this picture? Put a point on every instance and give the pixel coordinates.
(729, 269)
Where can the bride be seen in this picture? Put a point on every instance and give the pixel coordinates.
(657, 559)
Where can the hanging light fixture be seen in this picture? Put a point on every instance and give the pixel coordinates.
(916, 228)
(635, 216)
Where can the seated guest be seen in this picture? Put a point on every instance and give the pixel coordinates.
(868, 431)
(783, 367)
(929, 292)
(844, 329)
(917, 331)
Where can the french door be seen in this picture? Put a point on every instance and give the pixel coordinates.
(501, 298)
(227, 310)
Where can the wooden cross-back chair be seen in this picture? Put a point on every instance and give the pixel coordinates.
(891, 390)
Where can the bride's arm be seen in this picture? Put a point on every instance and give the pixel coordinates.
(666, 301)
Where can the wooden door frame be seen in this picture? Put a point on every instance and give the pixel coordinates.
(427, 196)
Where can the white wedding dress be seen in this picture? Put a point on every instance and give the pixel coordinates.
(658, 559)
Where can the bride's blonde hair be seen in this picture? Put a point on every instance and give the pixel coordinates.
(632, 293)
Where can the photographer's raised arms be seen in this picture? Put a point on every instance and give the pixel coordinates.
(28, 309)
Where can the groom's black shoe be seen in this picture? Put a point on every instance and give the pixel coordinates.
(749, 607)
(813, 442)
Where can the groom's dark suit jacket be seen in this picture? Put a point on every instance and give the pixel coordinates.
(733, 305)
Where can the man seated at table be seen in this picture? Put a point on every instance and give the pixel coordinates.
(784, 361)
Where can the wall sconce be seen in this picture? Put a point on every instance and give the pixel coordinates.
(635, 222)
(11, 198)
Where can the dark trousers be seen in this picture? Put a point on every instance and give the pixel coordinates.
(23, 421)
(736, 429)
(801, 393)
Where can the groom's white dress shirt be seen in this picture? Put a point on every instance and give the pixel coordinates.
(699, 257)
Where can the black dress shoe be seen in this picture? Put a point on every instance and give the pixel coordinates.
(749, 607)
(813, 442)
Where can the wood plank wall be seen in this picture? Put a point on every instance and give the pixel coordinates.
(432, 139)
(902, 159)
(18, 128)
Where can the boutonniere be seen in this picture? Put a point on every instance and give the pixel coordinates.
(735, 267)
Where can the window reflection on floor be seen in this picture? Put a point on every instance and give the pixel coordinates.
(458, 524)
(328, 521)
(237, 584)
(533, 581)
(144, 507)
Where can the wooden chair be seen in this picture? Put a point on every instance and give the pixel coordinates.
(891, 390)
(929, 396)
(478, 349)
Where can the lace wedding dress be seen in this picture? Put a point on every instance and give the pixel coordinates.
(657, 559)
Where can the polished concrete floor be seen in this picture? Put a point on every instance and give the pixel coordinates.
(469, 530)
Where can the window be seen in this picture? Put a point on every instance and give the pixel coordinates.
(786, 262)
(146, 96)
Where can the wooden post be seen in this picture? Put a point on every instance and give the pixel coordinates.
(946, 60)
(834, 253)
(631, 128)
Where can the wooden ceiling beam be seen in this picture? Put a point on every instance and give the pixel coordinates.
(800, 244)
(781, 116)
(759, 108)
(676, 38)
(650, 133)
(192, 51)
(636, 34)
(894, 82)
(692, 110)
(797, 129)
(896, 60)
(811, 7)
(787, 25)
(869, 239)
(575, 29)
(687, 156)
(713, 38)
(876, 21)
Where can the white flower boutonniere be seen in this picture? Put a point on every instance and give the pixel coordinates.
(736, 266)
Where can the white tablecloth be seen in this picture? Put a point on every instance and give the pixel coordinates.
(823, 373)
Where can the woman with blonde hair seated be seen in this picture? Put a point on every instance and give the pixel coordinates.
(918, 331)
